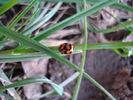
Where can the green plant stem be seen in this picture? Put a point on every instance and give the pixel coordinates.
(118, 20)
(114, 45)
(77, 88)
(119, 53)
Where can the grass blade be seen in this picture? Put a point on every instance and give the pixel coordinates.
(85, 35)
(7, 6)
(7, 96)
(6, 56)
(5, 80)
(35, 79)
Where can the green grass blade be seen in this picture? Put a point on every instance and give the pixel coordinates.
(16, 58)
(35, 79)
(6, 56)
(85, 35)
(122, 6)
(77, 48)
(7, 6)
(5, 80)
(7, 96)
(2, 25)
(67, 81)
(119, 27)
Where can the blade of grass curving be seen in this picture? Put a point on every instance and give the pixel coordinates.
(122, 6)
(7, 96)
(119, 53)
(22, 14)
(104, 31)
(7, 6)
(63, 84)
(113, 29)
(2, 24)
(35, 79)
(77, 87)
(5, 80)
(117, 20)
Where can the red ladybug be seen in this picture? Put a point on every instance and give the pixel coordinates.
(66, 48)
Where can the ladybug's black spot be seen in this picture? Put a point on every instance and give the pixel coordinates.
(65, 48)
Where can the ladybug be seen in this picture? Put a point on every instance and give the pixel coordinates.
(66, 48)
